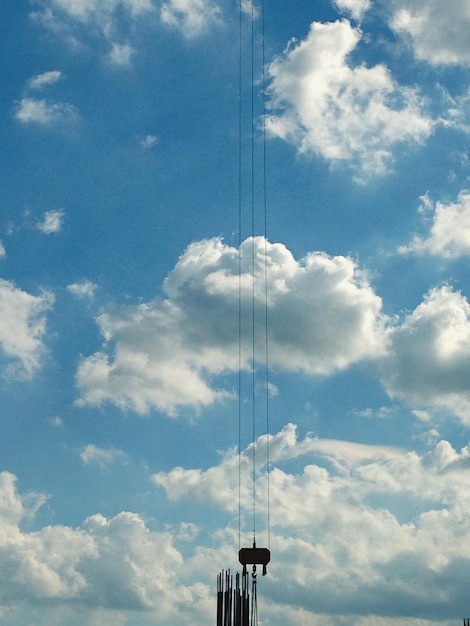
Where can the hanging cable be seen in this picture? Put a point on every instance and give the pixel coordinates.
(253, 265)
(240, 89)
(247, 204)
(266, 284)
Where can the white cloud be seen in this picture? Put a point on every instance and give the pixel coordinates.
(102, 457)
(355, 8)
(81, 22)
(101, 11)
(148, 142)
(85, 289)
(354, 115)
(449, 233)
(45, 79)
(3, 252)
(23, 328)
(107, 565)
(121, 54)
(191, 17)
(55, 421)
(323, 316)
(361, 530)
(45, 113)
(438, 31)
(355, 530)
(428, 363)
(51, 223)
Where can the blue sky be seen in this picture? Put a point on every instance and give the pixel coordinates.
(120, 251)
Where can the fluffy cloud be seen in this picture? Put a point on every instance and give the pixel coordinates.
(85, 289)
(325, 106)
(428, 362)
(51, 223)
(362, 530)
(437, 31)
(115, 564)
(449, 234)
(23, 328)
(356, 8)
(45, 113)
(355, 530)
(191, 17)
(323, 316)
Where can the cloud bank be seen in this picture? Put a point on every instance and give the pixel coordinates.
(363, 530)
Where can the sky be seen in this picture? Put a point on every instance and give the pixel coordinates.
(158, 206)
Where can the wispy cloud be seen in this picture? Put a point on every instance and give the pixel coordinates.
(45, 80)
(102, 457)
(45, 113)
(148, 142)
(191, 17)
(82, 23)
(51, 222)
(85, 289)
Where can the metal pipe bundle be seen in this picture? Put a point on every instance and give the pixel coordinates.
(233, 604)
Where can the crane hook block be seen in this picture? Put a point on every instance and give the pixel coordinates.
(254, 556)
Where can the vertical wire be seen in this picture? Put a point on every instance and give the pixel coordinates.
(240, 33)
(266, 288)
(253, 336)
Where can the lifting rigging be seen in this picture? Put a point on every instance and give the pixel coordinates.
(235, 606)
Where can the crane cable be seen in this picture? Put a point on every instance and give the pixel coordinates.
(252, 207)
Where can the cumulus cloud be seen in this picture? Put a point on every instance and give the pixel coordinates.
(351, 114)
(438, 32)
(45, 79)
(51, 222)
(355, 8)
(84, 289)
(323, 317)
(115, 564)
(355, 530)
(45, 113)
(362, 530)
(449, 233)
(102, 457)
(23, 328)
(428, 361)
(191, 17)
